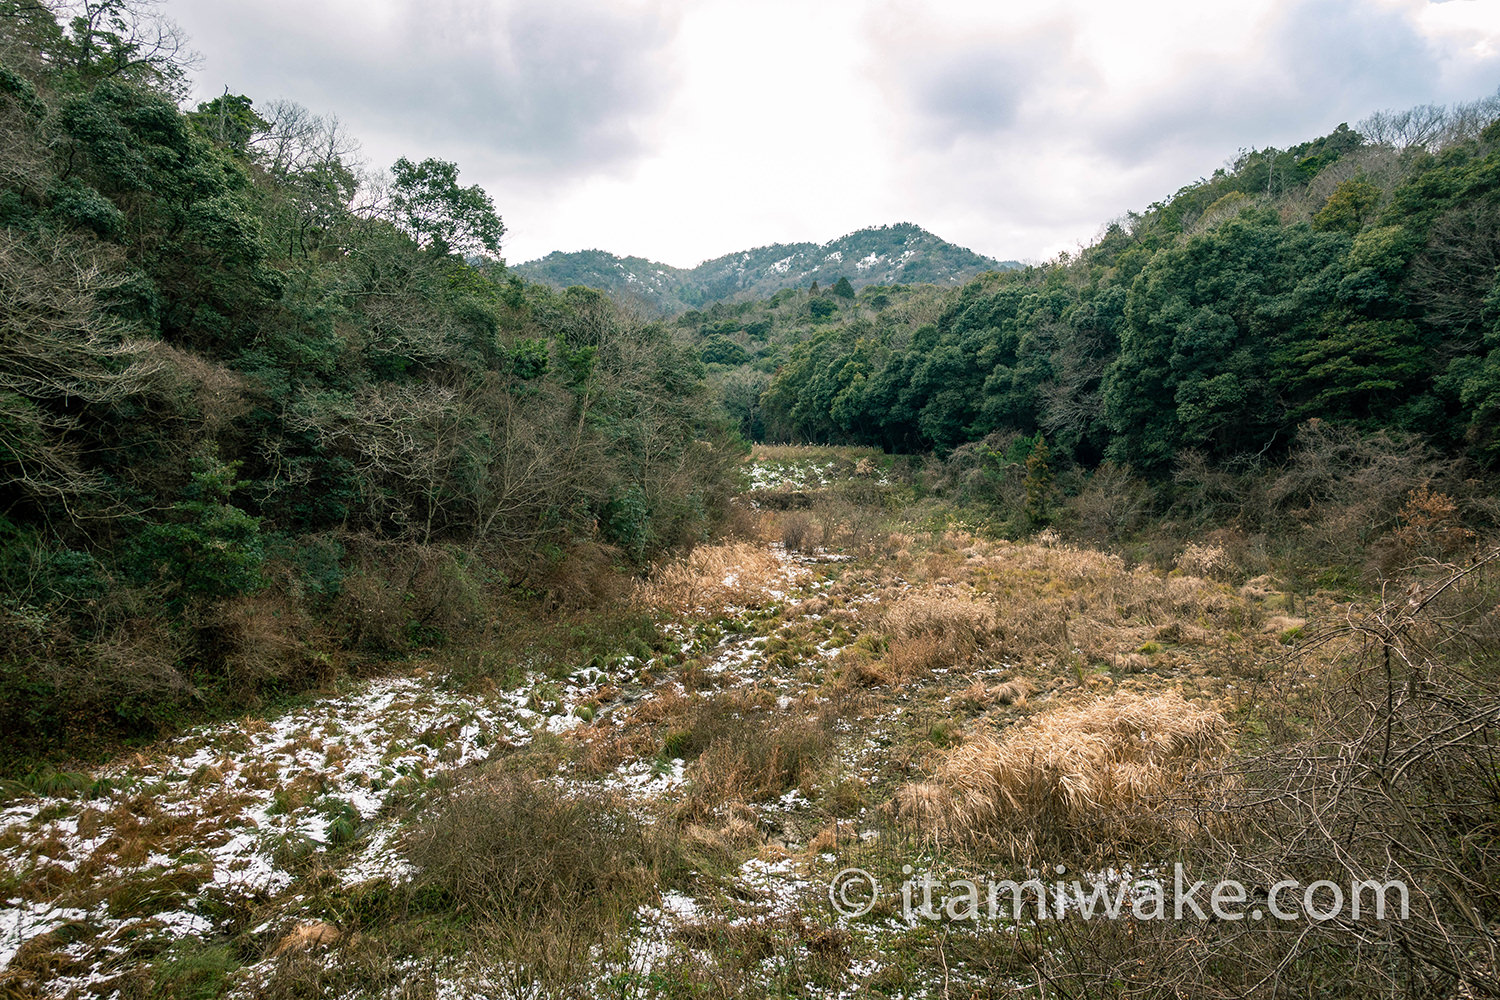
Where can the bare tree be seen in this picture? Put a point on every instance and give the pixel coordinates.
(299, 140)
(1432, 126)
(60, 351)
(1422, 125)
(125, 38)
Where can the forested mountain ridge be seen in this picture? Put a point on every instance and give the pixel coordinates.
(879, 255)
(1350, 279)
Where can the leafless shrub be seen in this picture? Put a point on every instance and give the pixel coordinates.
(1340, 489)
(1112, 504)
(517, 846)
(585, 574)
(800, 533)
(1210, 494)
(397, 593)
(264, 639)
(1394, 779)
(133, 669)
(61, 346)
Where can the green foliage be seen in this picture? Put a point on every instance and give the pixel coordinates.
(720, 351)
(248, 431)
(628, 517)
(1350, 205)
(205, 547)
(441, 216)
(902, 253)
(1213, 323)
(231, 121)
(1038, 483)
(820, 308)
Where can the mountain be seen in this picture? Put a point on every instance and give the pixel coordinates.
(880, 255)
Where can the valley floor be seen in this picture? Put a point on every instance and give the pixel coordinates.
(824, 684)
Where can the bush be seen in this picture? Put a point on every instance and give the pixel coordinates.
(517, 847)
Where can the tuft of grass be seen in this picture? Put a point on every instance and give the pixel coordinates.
(931, 629)
(1078, 776)
(751, 756)
(713, 576)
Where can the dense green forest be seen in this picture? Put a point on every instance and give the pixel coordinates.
(261, 412)
(879, 255)
(1350, 279)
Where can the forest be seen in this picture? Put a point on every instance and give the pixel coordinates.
(1348, 279)
(877, 255)
(249, 395)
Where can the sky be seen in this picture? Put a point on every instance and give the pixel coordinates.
(681, 130)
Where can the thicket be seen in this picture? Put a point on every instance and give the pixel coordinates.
(262, 412)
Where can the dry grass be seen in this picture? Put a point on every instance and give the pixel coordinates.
(933, 629)
(1203, 560)
(1071, 777)
(714, 576)
(946, 615)
(1060, 604)
(309, 935)
(757, 759)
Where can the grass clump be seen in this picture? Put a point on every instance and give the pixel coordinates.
(713, 576)
(1098, 773)
(931, 629)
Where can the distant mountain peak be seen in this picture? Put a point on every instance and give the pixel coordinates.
(903, 253)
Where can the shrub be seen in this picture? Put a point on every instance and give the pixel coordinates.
(799, 533)
(207, 547)
(519, 847)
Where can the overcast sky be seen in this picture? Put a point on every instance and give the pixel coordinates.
(680, 130)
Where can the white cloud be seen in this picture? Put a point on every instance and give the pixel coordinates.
(683, 129)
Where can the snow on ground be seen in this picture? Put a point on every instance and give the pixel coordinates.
(231, 811)
(800, 474)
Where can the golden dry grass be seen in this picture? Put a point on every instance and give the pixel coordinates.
(948, 615)
(1058, 604)
(715, 576)
(1070, 776)
(1204, 560)
(932, 629)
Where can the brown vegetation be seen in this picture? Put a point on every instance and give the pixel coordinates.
(1071, 778)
